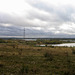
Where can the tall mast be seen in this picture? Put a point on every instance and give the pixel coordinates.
(24, 33)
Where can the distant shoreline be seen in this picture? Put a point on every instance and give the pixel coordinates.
(39, 38)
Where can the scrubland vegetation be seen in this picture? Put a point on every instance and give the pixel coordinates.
(19, 57)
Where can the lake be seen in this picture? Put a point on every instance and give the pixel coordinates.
(60, 45)
(65, 44)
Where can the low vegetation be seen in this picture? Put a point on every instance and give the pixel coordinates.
(19, 57)
(73, 50)
(48, 56)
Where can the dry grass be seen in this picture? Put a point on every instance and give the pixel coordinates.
(31, 60)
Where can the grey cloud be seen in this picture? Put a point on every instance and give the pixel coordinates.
(39, 15)
(30, 32)
(63, 13)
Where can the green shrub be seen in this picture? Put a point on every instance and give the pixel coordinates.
(24, 70)
(73, 51)
(49, 56)
(1, 65)
(2, 41)
(20, 51)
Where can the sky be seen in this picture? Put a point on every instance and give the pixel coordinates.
(40, 18)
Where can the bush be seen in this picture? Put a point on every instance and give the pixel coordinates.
(20, 51)
(2, 41)
(73, 51)
(49, 56)
(1, 65)
(69, 72)
(24, 70)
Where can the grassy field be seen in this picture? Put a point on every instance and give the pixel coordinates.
(22, 58)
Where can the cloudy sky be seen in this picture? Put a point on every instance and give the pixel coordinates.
(40, 18)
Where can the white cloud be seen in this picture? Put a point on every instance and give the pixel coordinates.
(13, 6)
